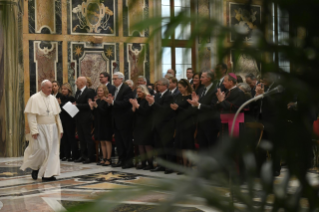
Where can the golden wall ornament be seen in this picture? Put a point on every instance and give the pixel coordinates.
(93, 16)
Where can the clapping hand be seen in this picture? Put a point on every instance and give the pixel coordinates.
(104, 98)
(110, 99)
(220, 95)
(150, 99)
(194, 101)
(174, 106)
(91, 104)
(259, 89)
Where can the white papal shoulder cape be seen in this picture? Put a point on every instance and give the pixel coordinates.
(43, 117)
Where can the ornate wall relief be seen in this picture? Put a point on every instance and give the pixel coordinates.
(45, 63)
(90, 60)
(92, 17)
(134, 11)
(45, 16)
(203, 10)
(136, 57)
(244, 64)
(205, 59)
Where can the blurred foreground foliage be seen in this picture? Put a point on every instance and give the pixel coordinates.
(217, 168)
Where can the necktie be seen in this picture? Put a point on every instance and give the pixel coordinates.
(116, 92)
(204, 92)
(78, 94)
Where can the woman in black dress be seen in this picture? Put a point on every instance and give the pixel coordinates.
(68, 142)
(56, 89)
(143, 126)
(103, 123)
(185, 120)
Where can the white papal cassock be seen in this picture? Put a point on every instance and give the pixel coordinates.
(43, 117)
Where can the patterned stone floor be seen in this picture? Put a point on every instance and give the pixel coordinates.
(79, 184)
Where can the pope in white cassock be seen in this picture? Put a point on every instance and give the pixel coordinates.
(42, 154)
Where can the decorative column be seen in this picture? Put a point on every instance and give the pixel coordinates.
(11, 80)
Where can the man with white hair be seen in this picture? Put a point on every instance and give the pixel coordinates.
(122, 120)
(130, 83)
(42, 154)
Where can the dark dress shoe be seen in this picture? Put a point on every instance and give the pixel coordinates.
(64, 159)
(34, 174)
(70, 159)
(148, 167)
(79, 160)
(180, 173)
(140, 166)
(127, 166)
(168, 171)
(119, 164)
(158, 169)
(87, 161)
(48, 178)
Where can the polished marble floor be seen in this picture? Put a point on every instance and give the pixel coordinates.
(82, 183)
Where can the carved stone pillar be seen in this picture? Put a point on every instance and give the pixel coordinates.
(11, 80)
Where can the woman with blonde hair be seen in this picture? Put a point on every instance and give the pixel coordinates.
(142, 129)
(68, 142)
(103, 123)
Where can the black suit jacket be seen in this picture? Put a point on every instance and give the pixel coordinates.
(111, 88)
(121, 110)
(208, 116)
(161, 110)
(82, 104)
(176, 92)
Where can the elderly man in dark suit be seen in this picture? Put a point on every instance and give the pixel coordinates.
(163, 117)
(105, 80)
(122, 120)
(208, 117)
(83, 120)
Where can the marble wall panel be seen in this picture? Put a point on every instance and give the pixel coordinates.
(203, 10)
(205, 59)
(45, 17)
(134, 11)
(86, 59)
(2, 97)
(45, 63)
(136, 57)
(92, 17)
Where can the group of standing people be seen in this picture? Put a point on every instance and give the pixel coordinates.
(162, 123)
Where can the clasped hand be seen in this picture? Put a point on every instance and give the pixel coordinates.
(174, 106)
